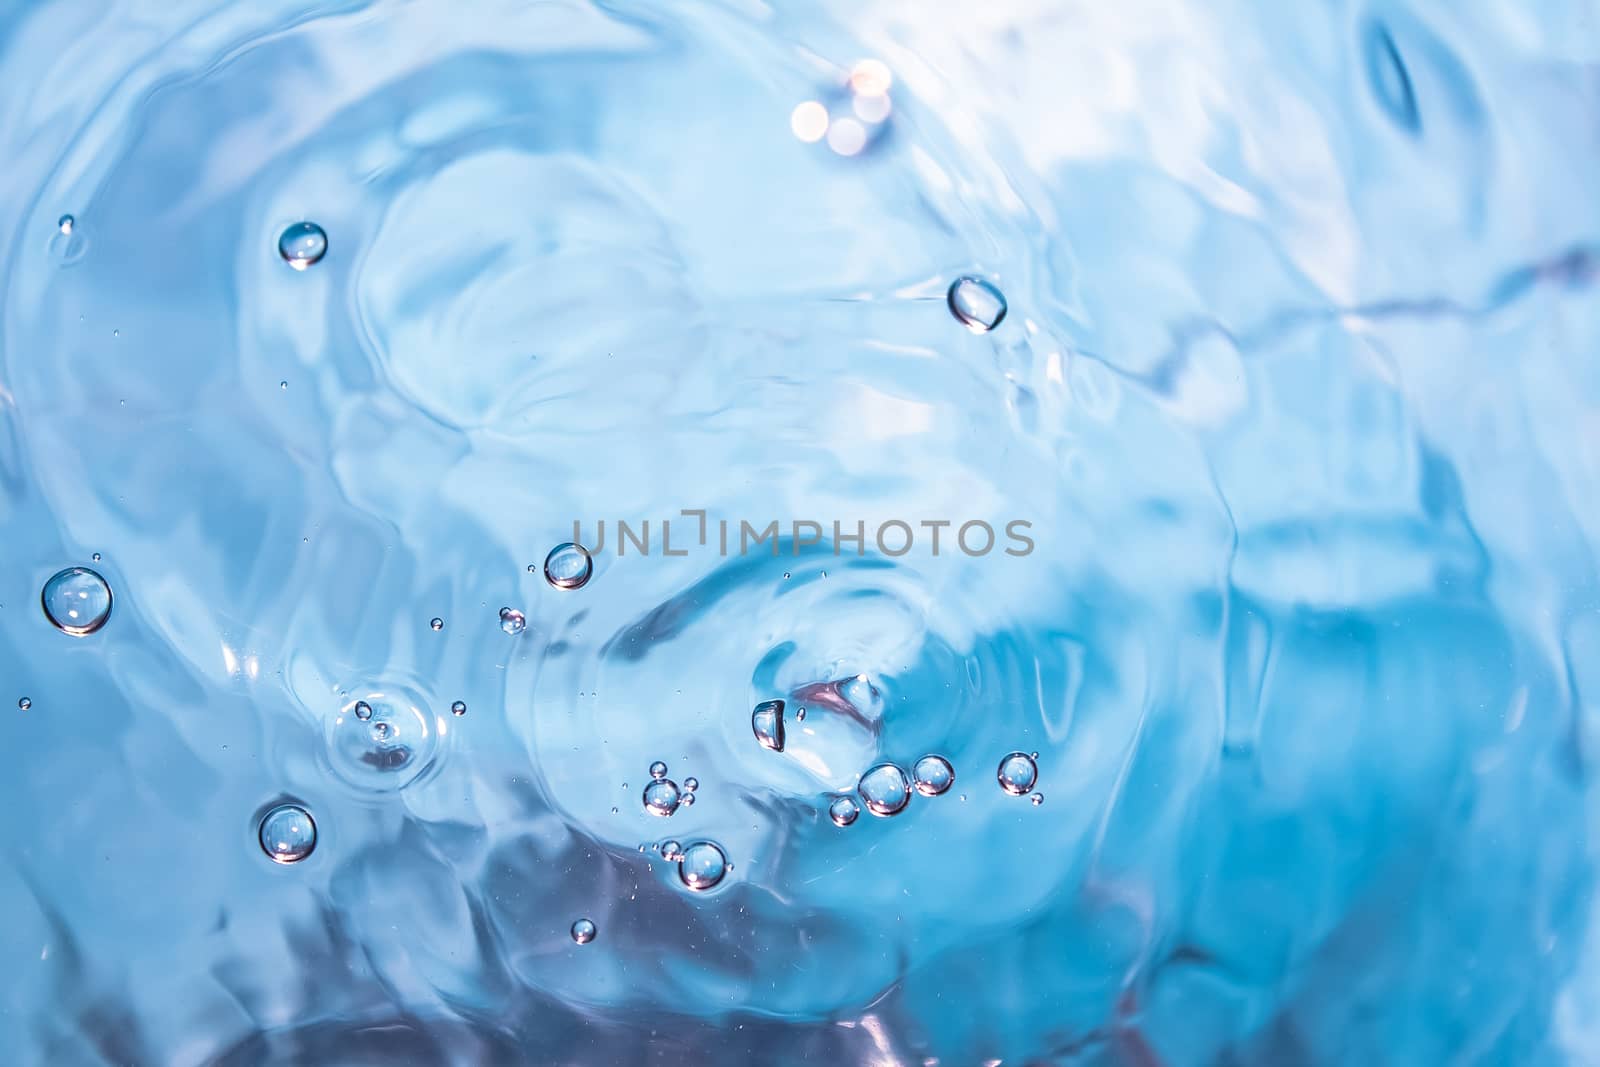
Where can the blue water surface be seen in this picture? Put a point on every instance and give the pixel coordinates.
(1269, 368)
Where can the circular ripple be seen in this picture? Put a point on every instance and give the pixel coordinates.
(383, 739)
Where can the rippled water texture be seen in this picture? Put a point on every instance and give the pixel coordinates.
(1275, 323)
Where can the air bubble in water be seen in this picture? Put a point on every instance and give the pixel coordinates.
(458, 708)
(583, 931)
(843, 811)
(288, 834)
(933, 775)
(1018, 773)
(382, 741)
(767, 723)
(65, 224)
(1038, 798)
(978, 305)
(24, 703)
(568, 566)
(886, 789)
(661, 797)
(513, 621)
(702, 865)
(658, 769)
(671, 850)
(77, 601)
(436, 624)
(691, 784)
(302, 244)
(687, 800)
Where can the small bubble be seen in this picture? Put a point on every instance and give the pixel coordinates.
(303, 244)
(687, 800)
(800, 714)
(1038, 798)
(283, 385)
(766, 721)
(95, 557)
(435, 624)
(583, 931)
(702, 865)
(458, 708)
(786, 576)
(658, 769)
(843, 811)
(381, 731)
(288, 834)
(886, 789)
(978, 305)
(568, 566)
(513, 621)
(671, 851)
(933, 775)
(661, 797)
(24, 703)
(363, 710)
(1018, 773)
(691, 784)
(65, 224)
(77, 601)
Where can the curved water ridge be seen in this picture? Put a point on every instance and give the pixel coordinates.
(1180, 411)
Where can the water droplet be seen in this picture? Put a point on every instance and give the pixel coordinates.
(583, 931)
(978, 305)
(568, 566)
(436, 624)
(661, 797)
(1018, 773)
(382, 741)
(458, 708)
(288, 834)
(24, 703)
(65, 224)
(671, 851)
(843, 811)
(767, 723)
(691, 784)
(77, 601)
(933, 775)
(702, 865)
(1038, 798)
(886, 789)
(303, 244)
(513, 621)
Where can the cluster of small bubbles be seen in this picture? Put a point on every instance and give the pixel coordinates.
(976, 303)
(702, 865)
(77, 601)
(885, 789)
(458, 708)
(513, 621)
(933, 775)
(363, 710)
(671, 851)
(287, 833)
(65, 224)
(302, 244)
(583, 931)
(435, 623)
(851, 118)
(766, 722)
(568, 566)
(24, 703)
(1017, 773)
(661, 797)
(658, 769)
(843, 811)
